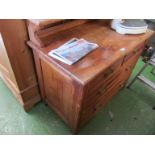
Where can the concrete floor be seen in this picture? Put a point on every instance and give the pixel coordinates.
(129, 112)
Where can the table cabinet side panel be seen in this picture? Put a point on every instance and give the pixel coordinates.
(62, 91)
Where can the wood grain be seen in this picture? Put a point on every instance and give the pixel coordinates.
(21, 77)
(42, 34)
(45, 23)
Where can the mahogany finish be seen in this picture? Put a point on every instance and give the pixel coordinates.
(16, 62)
(78, 91)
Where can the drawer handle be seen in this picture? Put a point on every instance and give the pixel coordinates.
(102, 90)
(110, 71)
(122, 85)
(126, 69)
(135, 51)
(129, 68)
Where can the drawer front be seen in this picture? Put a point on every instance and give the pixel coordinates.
(107, 84)
(88, 112)
(106, 75)
(128, 66)
(137, 51)
(96, 92)
(98, 98)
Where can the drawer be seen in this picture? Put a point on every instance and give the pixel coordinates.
(96, 92)
(128, 66)
(110, 93)
(92, 109)
(137, 51)
(100, 94)
(106, 76)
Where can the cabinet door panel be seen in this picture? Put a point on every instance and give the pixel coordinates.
(5, 65)
(59, 90)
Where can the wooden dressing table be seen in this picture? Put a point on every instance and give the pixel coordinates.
(77, 92)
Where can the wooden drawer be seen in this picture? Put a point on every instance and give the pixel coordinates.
(106, 76)
(98, 104)
(128, 66)
(96, 92)
(137, 51)
(101, 84)
(106, 89)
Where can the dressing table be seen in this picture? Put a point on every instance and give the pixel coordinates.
(77, 92)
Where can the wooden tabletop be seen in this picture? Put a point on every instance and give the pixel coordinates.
(112, 46)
